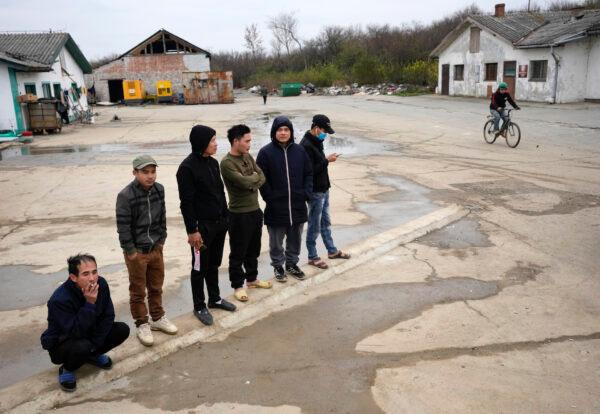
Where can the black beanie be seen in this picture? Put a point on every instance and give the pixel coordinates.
(279, 122)
(200, 136)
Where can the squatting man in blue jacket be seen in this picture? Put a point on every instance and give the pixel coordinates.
(81, 322)
(289, 180)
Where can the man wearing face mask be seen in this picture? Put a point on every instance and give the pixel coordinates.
(206, 219)
(319, 220)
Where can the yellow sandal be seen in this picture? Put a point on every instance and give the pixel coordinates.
(260, 284)
(241, 295)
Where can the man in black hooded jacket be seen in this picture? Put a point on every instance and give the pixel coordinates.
(205, 214)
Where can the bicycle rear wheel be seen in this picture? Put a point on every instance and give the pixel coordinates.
(513, 135)
(488, 132)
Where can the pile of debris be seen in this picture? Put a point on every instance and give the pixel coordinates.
(354, 89)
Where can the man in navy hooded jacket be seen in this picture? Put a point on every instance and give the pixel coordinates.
(289, 181)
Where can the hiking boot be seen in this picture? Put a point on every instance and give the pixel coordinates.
(101, 361)
(164, 325)
(144, 334)
(223, 304)
(295, 271)
(204, 316)
(67, 380)
(279, 274)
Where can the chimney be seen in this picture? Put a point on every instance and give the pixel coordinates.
(499, 10)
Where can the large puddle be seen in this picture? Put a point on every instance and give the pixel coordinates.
(347, 145)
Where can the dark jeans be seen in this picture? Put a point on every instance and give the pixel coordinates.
(245, 231)
(293, 241)
(213, 236)
(73, 353)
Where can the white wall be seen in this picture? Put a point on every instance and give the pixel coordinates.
(593, 70)
(573, 72)
(55, 76)
(196, 63)
(8, 119)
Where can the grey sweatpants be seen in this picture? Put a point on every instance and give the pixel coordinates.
(293, 243)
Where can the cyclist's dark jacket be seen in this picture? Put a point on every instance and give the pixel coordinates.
(499, 100)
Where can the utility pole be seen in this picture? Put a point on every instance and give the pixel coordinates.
(528, 6)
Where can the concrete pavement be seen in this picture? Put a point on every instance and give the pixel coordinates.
(515, 282)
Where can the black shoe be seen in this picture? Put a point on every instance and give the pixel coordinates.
(101, 361)
(280, 274)
(66, 379)
(204, 316)
(295, 271)
(223, 304)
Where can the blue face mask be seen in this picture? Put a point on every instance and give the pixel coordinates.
(321, 136)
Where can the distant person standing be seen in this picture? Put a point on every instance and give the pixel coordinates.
(242, 179)
(319, 220)
(264, 93)
(206, 219)
(288, 185)
(142, 227)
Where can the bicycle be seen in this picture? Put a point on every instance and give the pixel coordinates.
(510, 131)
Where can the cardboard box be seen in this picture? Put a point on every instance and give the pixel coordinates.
(28, 97)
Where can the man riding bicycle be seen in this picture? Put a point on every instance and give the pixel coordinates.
(498, 105)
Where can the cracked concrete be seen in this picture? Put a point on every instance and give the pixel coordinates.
(532, 236)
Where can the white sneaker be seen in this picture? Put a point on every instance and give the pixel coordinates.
(165, 325)
(144, 334)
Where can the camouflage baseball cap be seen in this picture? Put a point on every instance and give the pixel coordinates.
(142, 161)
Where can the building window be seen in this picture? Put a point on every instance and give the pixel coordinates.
(474, 40)
(47, 90)
(459, 72)
(491, 71)
(75, 89)
(30, 88)
(57, 91)
(539, 70)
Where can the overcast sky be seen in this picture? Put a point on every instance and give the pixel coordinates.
(104, 27)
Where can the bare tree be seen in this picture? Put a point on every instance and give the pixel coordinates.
(96, 63)
(284, 27)
(253, 41)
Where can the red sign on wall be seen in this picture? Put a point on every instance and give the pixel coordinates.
(523, 71)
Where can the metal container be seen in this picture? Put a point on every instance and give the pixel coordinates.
(207, 87)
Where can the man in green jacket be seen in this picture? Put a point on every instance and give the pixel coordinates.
(242, 179)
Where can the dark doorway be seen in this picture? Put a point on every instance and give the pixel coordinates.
(445, 79)
(115, 90)
(510, 75)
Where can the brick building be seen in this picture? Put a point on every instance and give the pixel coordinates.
(162, 56)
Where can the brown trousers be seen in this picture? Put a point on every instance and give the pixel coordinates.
(146, 272)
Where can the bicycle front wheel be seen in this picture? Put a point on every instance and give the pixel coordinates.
(488, 132)
(513, 135)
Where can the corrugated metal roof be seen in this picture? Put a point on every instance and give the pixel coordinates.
(38, 47)
(42, 48)
(513, 26)
(525, 29)
(25, 64)
(562, 30)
